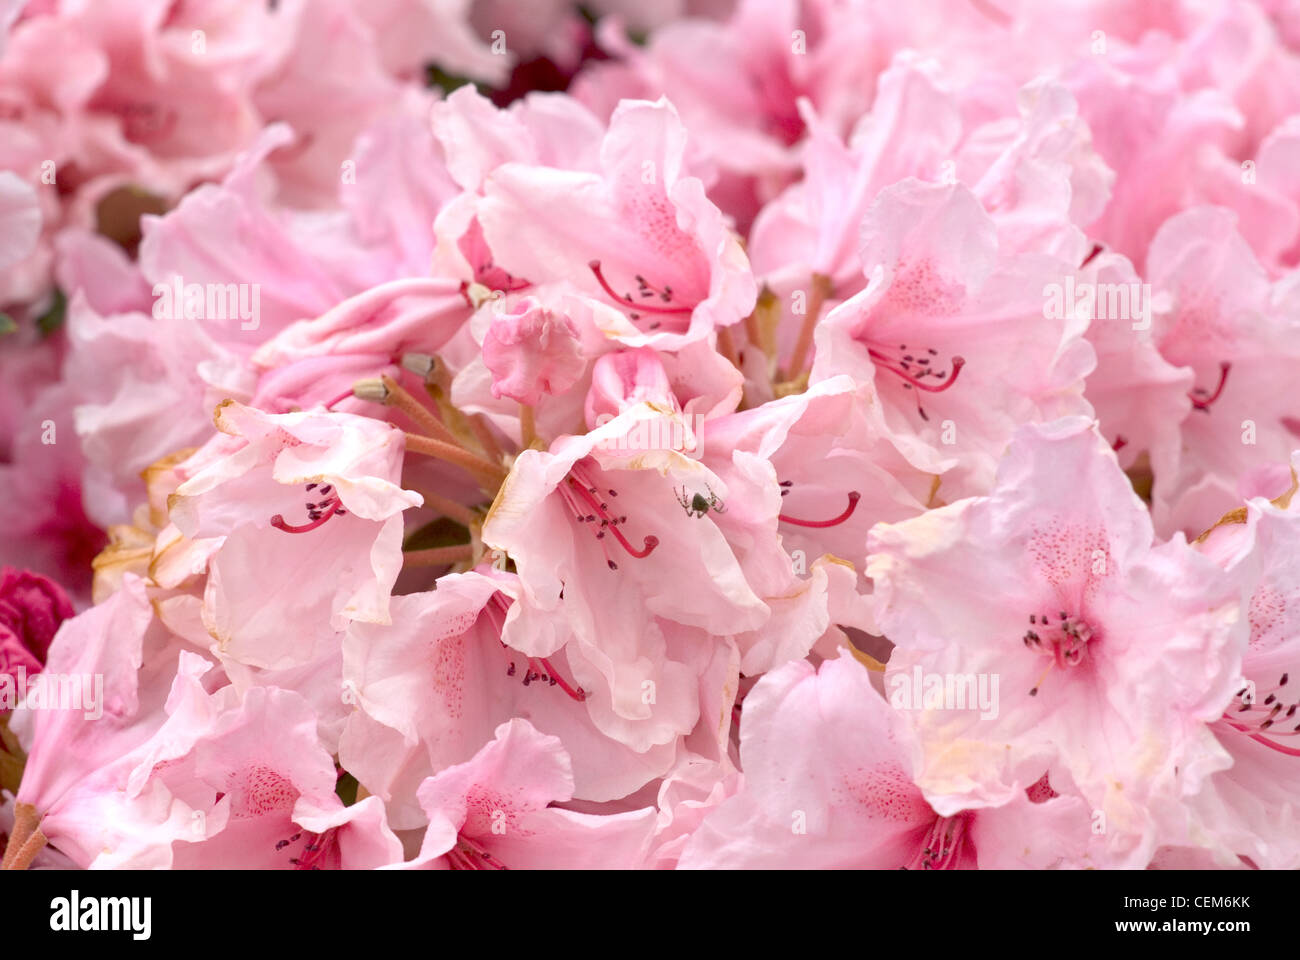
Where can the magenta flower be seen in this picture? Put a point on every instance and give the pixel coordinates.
(31, 609)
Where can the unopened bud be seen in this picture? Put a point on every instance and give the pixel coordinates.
(371, 389)
(420, 364)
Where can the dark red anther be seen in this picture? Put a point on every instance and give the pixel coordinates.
(316, 848)
(555, 680)
(279, 523)
(538, 668)
(599, 510)
(1255, 726)
(626, 300)
(918, 381)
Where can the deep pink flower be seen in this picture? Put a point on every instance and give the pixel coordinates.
(31, 609)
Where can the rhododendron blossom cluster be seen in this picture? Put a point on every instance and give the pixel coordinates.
(690, 434)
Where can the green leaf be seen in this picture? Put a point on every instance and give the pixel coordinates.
(7, 324)
(639, 37)
(442, 532)
(1141, 477)
(346, 788)
(12, 759)
(52, 319)
(435, 76)
(11, 773)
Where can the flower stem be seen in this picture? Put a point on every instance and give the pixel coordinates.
(26, 830)
(451, 453)
(821, 289)
(413, 408)
(527, 425)
(447, 507)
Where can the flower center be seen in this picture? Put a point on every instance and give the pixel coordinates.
(318, 512)
(536, 668)
(473, 245)
(944, 846)
(918, 369)
(645, 300)
(468, 854)
(142, 121)
(315, 850)
(1063, 638)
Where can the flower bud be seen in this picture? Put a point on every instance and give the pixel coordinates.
(531, 351)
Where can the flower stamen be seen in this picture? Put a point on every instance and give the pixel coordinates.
(317, 513)
(1198, 396)
(579, 494)
(646, 290)
(854, 497)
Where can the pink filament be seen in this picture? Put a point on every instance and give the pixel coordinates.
(854, 496)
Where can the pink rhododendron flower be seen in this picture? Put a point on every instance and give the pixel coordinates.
(828, 786)
(494, 812)
(432, 687)
(1248, 810)
(934, 332)
(699, 434)
(641, 233)
(600, 517)
(1235, 330)
(287, 493)
(1054, 584)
